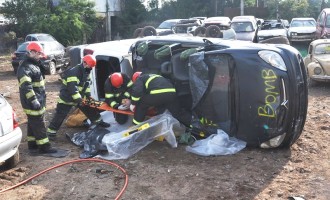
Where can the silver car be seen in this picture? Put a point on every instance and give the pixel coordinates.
(10, 135)
(302, 29)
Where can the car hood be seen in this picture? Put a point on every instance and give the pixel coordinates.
(248, 36)
(323, 59)
(303, 29)
(274, 32)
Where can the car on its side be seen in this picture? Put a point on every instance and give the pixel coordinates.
(54, 56)
(302, 30)
(317, 61)
(10, 135)
(246, 28)
(215, 26)
(212, 77)
(270, 29)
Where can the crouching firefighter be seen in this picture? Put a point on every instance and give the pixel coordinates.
(33, 98)
(151, 90)
(117, 94)
(75, 87)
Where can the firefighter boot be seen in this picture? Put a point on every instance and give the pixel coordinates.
(32, 146)
(46, 148)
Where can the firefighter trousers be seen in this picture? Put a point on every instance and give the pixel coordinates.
(36, 130)
(62, 110)
(161, 101)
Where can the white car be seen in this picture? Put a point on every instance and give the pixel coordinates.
(10, 135)
(302, 29)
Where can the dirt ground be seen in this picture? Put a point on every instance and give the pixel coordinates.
(161, 172)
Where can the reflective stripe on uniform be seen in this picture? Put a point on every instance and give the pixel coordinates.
(49, 130)
(135, 98)
(80, 88)
(76, 96)
(150, 79)
(66, 103)
(72, 79)
(38, 84)
(117, 95)
(130, 83)
(30, 94)
(126, 94)
(162, 90)
(35, 112)
(24, 79)
(31, 138)
(42, 141)
(88, 90)
(136, 122)
(113, 103)
(108, 95)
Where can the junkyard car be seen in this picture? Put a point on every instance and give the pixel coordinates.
(255, 92)
(246, 28)
(270, 29)
(317, 61)
(10, 135)
(302, 29)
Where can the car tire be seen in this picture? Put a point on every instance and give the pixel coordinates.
(51, 68)
(200, 31)
(148, 31)
(213, 31)
(137, 32)
(12, 161)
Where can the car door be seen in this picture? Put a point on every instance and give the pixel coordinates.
(320, 25)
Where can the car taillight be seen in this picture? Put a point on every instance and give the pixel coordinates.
(15, 120)
(88, 51)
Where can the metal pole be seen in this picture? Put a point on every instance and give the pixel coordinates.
(242, 7)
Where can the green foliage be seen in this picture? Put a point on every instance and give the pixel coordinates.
(71, 22)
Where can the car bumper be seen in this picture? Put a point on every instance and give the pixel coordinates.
(301, 38)
(320, 78)
(9, 144)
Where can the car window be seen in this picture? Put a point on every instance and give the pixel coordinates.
(322, 49)
(45, 38)
(302, 23)
(22, 47)
(327, 22)
(242, 26)
(321, 18)
(166, 25)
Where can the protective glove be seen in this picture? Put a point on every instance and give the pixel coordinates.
(36, 105)
(123, 107)
(132, 107)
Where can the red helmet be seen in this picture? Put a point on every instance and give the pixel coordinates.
(116, 79)
(90, 60)
(135, 76)
(33, 46)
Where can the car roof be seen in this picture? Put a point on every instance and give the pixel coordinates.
(320, 41)
(244, 18)
(220, 18)
(173, 20)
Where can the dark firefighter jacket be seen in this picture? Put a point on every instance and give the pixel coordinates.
(150, 84)
(31, 86)
(75, 85)
(113, 94)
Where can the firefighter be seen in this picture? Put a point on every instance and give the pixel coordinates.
(151, 90)
(117, 94)
(75, 87)
(33, 99)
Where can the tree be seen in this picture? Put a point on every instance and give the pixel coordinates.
(71, 22)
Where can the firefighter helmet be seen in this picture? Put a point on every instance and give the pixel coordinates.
(116, 79)
(34, 46)
(90, 60)
(135, 76)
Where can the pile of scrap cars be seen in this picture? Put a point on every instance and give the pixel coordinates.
(254, 92)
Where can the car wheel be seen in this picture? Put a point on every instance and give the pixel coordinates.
(148, 31)
(12, 161)
(137, 32)
(51, 68)
(213, 31)
(200, 31)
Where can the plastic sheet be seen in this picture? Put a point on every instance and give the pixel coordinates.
(122, 145)
(217, 144)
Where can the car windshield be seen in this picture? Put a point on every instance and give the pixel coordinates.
(322, 49)
(242, 26)
(166, 25)
(22, 47)
(45, 38)
(303, 23)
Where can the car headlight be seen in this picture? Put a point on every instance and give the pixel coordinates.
(272, 58)
(317, 70)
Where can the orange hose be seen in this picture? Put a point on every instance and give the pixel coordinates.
(74, 161)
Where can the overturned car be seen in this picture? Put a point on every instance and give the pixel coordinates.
(254, 92)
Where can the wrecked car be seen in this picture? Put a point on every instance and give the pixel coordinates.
(317, 61)
(254, 92)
